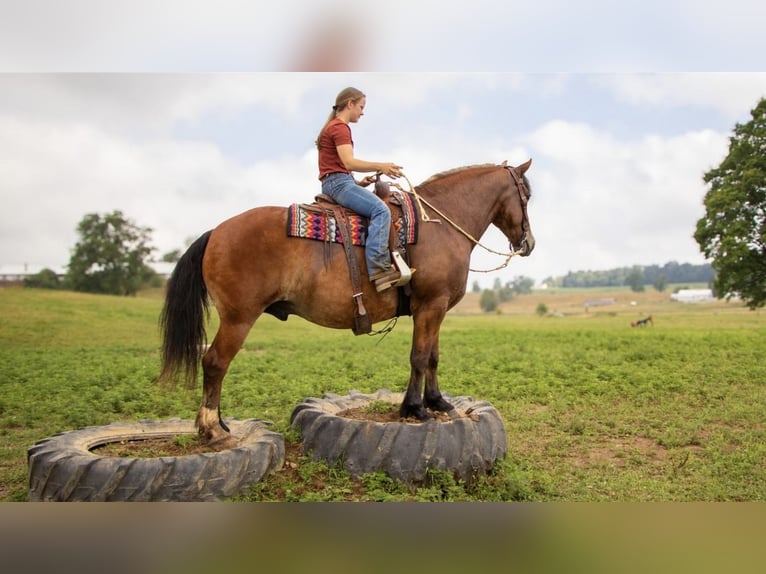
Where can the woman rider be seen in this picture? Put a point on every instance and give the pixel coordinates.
(336, 162)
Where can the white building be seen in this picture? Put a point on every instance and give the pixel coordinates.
(693, 295)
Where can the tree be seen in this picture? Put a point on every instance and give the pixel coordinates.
(522, 285)
(505, 293)
(660, 282)
(171, 256)
(733, 230)
(488, 300)
(635, 279)
(110, 256)
(44, 279)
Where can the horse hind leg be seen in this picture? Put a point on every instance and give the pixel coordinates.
(227, 343)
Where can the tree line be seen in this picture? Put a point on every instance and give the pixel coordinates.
(655, 275)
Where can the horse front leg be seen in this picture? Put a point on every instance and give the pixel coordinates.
(412, 405)
(424, 360)
(432, 398)
(210, 425)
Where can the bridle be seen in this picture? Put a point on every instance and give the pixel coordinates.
(521, 187)
(523, 196)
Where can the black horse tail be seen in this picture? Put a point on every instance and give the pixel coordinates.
(182, 322)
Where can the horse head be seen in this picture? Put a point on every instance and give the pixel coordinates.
(512, 218)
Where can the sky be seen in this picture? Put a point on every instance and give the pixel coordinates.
(184, 125)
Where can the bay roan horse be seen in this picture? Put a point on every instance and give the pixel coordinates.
(248, 266)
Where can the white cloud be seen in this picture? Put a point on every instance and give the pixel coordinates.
(732, 94)
(148, 101)
(53, 174)
(608, 203)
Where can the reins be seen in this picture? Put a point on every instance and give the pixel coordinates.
(425, 217)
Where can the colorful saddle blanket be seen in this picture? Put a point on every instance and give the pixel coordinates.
(314, 222)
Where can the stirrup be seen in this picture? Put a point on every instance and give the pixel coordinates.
(404, 270)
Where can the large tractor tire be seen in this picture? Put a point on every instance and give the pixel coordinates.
(65, 468)
(467, 446)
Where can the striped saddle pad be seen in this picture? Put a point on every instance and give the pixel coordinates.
(311, 221)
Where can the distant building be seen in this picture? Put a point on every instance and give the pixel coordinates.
(599, 302)
(14, 274)
(693, 295)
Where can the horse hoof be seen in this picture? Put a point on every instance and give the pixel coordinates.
(223, 443)
(440, 405)
(217, 439)
(419, 412)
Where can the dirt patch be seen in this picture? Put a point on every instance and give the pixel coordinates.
(180, 445)
(620, 451)
(387, 414)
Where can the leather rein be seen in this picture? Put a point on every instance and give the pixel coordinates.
(523, 196)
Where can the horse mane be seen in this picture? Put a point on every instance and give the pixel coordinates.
(460, 170)
(456, 171)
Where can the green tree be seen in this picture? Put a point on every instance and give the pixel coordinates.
(111, 255)
(505, 293)
(733, 230)
(44, 279)
(488, 300)
(661, 282)
(171, 256)
(635, 279)
(522, 285)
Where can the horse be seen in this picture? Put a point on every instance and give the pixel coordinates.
(248, 266)
(642, 322)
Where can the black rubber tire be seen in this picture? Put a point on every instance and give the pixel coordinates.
(467, 446)
(63, 468)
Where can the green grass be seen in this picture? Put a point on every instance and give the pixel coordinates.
(594, 410)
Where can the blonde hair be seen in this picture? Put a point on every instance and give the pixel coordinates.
(345, 96)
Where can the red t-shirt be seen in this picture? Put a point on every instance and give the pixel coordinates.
(336, 133)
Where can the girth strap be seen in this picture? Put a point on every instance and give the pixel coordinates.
(362, 323)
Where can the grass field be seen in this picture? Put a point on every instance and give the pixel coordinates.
(594, 410)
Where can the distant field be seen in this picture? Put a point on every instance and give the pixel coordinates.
(572, 301)
(594, 410)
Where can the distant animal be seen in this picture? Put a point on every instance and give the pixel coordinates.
(643, 322)
(248, 266)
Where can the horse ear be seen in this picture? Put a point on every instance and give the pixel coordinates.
(505, 163)
(524, 166)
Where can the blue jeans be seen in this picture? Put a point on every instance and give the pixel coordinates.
(344, 190)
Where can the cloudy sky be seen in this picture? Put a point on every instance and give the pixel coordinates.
(619, 144)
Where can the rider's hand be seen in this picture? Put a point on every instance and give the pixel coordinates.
(392, 170)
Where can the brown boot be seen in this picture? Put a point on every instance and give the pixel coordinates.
(382, 280)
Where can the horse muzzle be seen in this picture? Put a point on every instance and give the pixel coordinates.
(526, 245)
